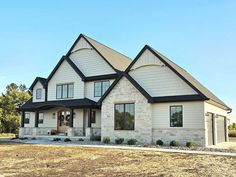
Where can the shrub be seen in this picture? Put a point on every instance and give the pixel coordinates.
(119, 140)
(80, 139)
(174, 143)
(190, 144)
(67, 140)
(132, 141)
(106, 140)
(159, 142)
(33, 138)
(56, 139)
(95, 138)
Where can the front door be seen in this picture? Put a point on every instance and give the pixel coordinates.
(63, 121)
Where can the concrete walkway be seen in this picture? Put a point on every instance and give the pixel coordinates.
(126, 147)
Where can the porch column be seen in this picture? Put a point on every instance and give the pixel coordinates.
(22, 119)
(71, 120)
(89, 117)
(36, 118)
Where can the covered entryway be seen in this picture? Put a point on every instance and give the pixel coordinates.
(63, 121)
(220, 128)
(210, 128)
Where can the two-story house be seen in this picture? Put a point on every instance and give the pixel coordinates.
(95, 91)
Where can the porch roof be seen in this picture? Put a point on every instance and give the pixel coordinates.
(73, 103)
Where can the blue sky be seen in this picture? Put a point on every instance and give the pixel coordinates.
(200, 36)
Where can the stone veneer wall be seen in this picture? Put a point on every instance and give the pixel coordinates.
(125, 92)
(182, 135)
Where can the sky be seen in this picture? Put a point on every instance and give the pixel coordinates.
(200, 36)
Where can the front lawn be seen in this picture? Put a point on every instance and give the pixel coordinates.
(42, 160)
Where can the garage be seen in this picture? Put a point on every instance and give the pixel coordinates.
(210, 134)
(220, 128)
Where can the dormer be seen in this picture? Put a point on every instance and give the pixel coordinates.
(38, 89)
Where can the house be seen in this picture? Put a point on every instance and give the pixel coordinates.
(95, 91)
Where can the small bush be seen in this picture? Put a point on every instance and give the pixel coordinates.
(174, 143)
(132, 141)
(95, 138)
(159, 142)
(80, 139)
(190, 144)
(56, 139)
(106, 140)
(33, 138)
(119, 140)
(67, 140)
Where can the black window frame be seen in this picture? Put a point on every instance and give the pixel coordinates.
(93, 117)
(41, 120)
(67, 88)
(27, 120)
(124, 113)
(41, 90)
(101, 82)
(182, 116)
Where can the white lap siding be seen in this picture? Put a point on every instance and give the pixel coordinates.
(125, 92)
(157, 78)
(65, 74)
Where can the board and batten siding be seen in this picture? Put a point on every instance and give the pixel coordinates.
(89, 61)
(193, 115)
(38, 85)
(89, 89)
(158, 79)
(65, 74)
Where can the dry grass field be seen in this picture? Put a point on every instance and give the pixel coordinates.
(40, 160)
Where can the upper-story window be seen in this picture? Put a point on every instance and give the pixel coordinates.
(38, 93)
(176, 116)
(100, 88)
(65, 91)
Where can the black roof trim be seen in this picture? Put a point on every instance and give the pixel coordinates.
(133, 82)
(80, 36)
(146, 47)
(75, 68)
(72, 103)
(101, 77)
(41, 80)
(70, 63)
(179, 98)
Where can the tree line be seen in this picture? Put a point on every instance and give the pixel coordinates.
(14, 97)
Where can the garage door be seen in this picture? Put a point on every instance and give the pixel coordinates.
(220, 129)
(210, 129)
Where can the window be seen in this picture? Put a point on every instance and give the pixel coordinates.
(27, 118)
(38, 93)
(40, 118)
(65, 91)
(176, 116)
(93, 117)
(124, 116)
(100, 88)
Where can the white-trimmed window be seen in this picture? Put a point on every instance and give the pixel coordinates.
(27, 118)
(38, 93)
(176, 116)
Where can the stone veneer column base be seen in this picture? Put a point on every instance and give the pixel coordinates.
(70, 132)
(35, 131)
(21, 132)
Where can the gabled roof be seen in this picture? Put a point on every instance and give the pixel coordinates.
(68, 60)
(190, 80)
(115, 59)
(38, 79)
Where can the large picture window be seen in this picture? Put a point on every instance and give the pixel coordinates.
(176, 116)
(65, 91)
(124, 116)
(100, 88)
(38, 93)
